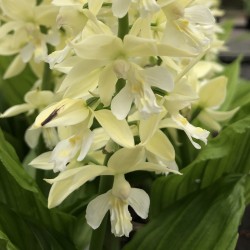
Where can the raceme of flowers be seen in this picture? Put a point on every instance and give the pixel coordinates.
(124, 73)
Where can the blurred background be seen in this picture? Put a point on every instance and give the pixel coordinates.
(237, 12)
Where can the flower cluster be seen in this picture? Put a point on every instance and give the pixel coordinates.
(127, 76)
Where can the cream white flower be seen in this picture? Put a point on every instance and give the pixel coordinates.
(121, 7)
(22, 33)
(69, 148)
(34, 100)
(212, 95)
(117, 201)
(188, 24)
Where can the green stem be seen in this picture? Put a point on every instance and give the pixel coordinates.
(98, 235)
(47, 74)
(46, 82)
(123, 27)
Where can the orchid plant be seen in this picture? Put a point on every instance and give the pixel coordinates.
(120, 101)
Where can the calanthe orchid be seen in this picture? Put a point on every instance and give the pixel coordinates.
(124, 84)
(27, 30)
(116, 200)
(188, 24)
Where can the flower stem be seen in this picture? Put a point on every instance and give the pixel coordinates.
(46, 81)
(98, 235)
(123, 27)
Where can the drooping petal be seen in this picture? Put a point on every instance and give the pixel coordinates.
(107, 83)
(16, 110)
(42, 161)
(70, 180)
(121, 103)
(15, 67)
(118, 130)
(120, 7)
(160, 145)
(139, 201)
(97, 209)
(32, 136)
(86, 144)
(190, 130)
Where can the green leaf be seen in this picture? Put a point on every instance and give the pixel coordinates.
(5, 243)
(232, 73)
(12, 90)
(242, 95)
(10, 160)
(20, 192)
(227, 153)
(26, 233)
(208, 219)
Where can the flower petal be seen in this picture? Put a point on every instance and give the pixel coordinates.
(97, 209)
(121, 103)
(70, 180)
(120, 7)
(139, 201)
(107, 83)
(15, 67)
(86, 144)
(124, 159)
(42, 161)
(159, 77)
(16, 110)
(164, 149)
(118, 130)
(64, 113)
(213, 93)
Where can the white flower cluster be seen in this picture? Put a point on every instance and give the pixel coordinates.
(124, 72)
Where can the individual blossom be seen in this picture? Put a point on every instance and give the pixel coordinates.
(189, 24)
(117, 200)
(35, 100)
(212, 94)
(27, 31)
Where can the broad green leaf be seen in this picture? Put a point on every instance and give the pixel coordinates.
(232, 73)
(10, 160)
(5, 243)
(242, 95)
(12, 90)
(27, 233)
(226, 153)
(208, 219)
(20, 192)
